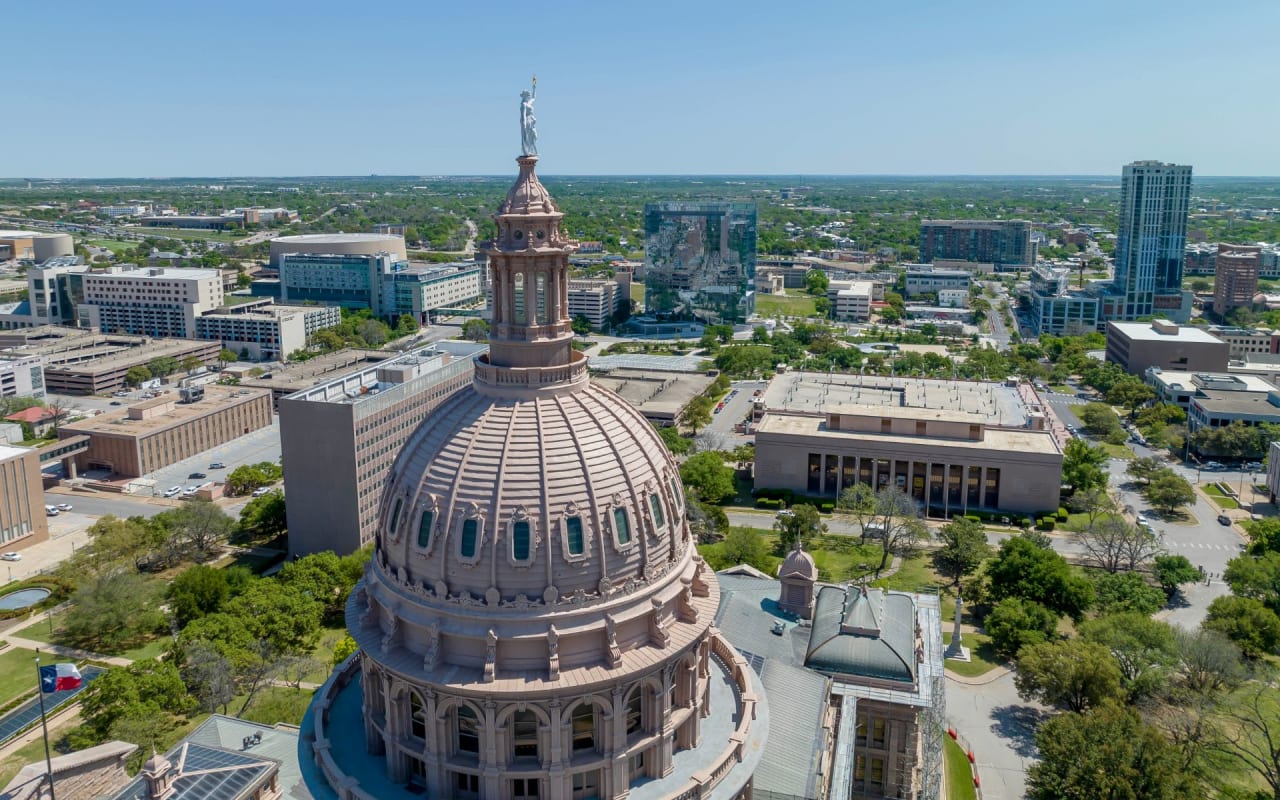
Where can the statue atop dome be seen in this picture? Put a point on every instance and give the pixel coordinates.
(528, 122)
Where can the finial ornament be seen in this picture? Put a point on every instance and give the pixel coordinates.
(528, 122)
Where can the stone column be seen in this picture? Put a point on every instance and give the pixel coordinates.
(490, 764)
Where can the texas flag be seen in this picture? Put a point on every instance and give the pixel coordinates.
(58, 677)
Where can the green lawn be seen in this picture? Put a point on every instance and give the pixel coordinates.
(775, 305)
(17, 673)
(113, 245)
(1117, 450)
(40, 632)
(637, 293)
(915, 575)
(959, 773)
(981, 653)
(1220, 497)
(275, 704)
(1060, 388)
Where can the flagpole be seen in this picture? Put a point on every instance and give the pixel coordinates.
(48, 760)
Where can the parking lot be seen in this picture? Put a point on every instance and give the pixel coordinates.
(260, 445)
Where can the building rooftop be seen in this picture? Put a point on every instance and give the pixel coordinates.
(1022, 440)
(162, 273)
(1149, 332)
(658, 395)
(123, 421)
(869, 633)
(1242, 403)
(818, 392)
(320, 238)
(7, 451)
(373, 379)
(1175, 379)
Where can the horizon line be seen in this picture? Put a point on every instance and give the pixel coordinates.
(737, 175)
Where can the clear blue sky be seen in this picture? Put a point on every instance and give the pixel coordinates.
(100, 89)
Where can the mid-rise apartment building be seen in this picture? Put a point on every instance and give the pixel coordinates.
(1056, 307)
(1235, 280)
(22, 376)
(335, 481)
(597, 299)
(1003, 243)
(268, 332)
(22, 517)
(923, 279)
(851, 300)
(155, 301)
(1151, 242)
(1244, 342)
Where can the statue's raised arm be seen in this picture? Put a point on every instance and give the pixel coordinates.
(528, 122)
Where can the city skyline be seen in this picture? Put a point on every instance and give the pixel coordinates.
(713, 89)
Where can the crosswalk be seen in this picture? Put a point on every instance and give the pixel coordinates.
(1230, 548)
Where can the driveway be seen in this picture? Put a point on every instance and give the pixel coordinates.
(1000, 729)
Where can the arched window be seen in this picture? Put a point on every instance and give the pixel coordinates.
(417, 717)
(583, 724)
(395, 514)
(540, 282)
(524, 734)
(520, 538)
(424, 528)
(470, 533)
(635, 711)
(518, 291)
(574, 541)
(621, 527)
(655, 504)
(468, 740)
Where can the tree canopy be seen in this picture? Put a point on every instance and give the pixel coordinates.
(707, 474)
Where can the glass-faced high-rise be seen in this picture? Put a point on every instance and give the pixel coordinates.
(700, 260)
(1152, 235)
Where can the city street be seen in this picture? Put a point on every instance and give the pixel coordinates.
(737, 409)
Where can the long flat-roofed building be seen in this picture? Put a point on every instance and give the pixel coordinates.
(1006, 243)
(952, 445)
(338, 440)
(148, 436)
(266, 332)
(154, 301)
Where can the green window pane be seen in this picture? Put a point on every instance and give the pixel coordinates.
(470, 530)
(656, 504)
(395, 513)
(424, 528)
(520, 541)
(574, 526)
(621, 525)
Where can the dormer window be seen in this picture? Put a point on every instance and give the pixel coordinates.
(621, 527)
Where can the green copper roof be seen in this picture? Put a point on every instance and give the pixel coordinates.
(865, 632)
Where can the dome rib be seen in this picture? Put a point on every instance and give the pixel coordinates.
(498, 486)
(446, 539)
(597, 529)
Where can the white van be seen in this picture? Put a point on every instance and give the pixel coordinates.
(50, 511)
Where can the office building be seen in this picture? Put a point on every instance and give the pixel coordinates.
(1059, 309)
(1150, 243)
(1138, 346)
(22, 517)
(334, 482)
(1200, 258)
(597, 299)
(1180, 387)
(377, 281)
(700, 260)
(55, 289)
(851, 301)
(953, 298)
(153, 301)
(1235, 277)
(22, 376)
(1246, 342)
(267, 332)
(536, 622)
(921, 279)
(952, 445)
(1006, 244)
(150, 435)
(34, 246)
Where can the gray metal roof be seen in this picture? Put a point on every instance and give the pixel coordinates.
(278, 743)
(798, 703)
(207, 773)
(869, 633)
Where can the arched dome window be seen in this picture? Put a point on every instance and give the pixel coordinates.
(417, 717)
(655, 505)
(467, 730)
(425, 525)
(575, 538)
(635, 711)
(583, 725)
(621, 527)
(524, 735)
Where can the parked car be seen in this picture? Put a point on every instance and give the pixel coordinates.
(115, 402)
(1213, 465)
(1253, 466)
(217, 465)
(259, 492)
(64, 506)
(172, 490)
(1223, 519)
(50, 511)
(197, 476)
(11, 556)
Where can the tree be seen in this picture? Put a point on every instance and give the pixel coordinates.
(1169, 491)
(343, 650)
(1144, 649)
(676, 443)
(137, 375)
(324, 577)
(859, 502)
(707, 475)
(1083, 466)
(1114, 545)
(287, 619)
(894, 522)
(1126, 591)
(406, 325)
(1144, 469)
(1131, 395)
(1257, 577)
(191, 363)
(199, 590)
(1099, 419)
(1074, 674)
(208, 676)
(581, 325)
(1245, 621)
(1208, 661)
(800, 522)
(227, 356)
(247, 477)
(746, 546)
(816, 282)
(1024, 570)
(1249, 730)
(113, 610)
(161, 366)
(372, 331)
(146, 688)
(1094, 502)
(477, 330)
(264, 517)
(118, 544)
(1106, 753)
(1014, 623)
(1173, 571)
(1264, 535)
(200, 527)
(697, 413)
(964, 548)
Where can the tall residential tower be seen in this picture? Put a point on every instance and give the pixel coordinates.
(1151, 241)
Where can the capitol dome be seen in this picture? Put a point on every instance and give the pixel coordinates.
(536, 621)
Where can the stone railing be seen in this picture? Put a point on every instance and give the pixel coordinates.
(345, 785)
(703, 781)
(518, 377)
